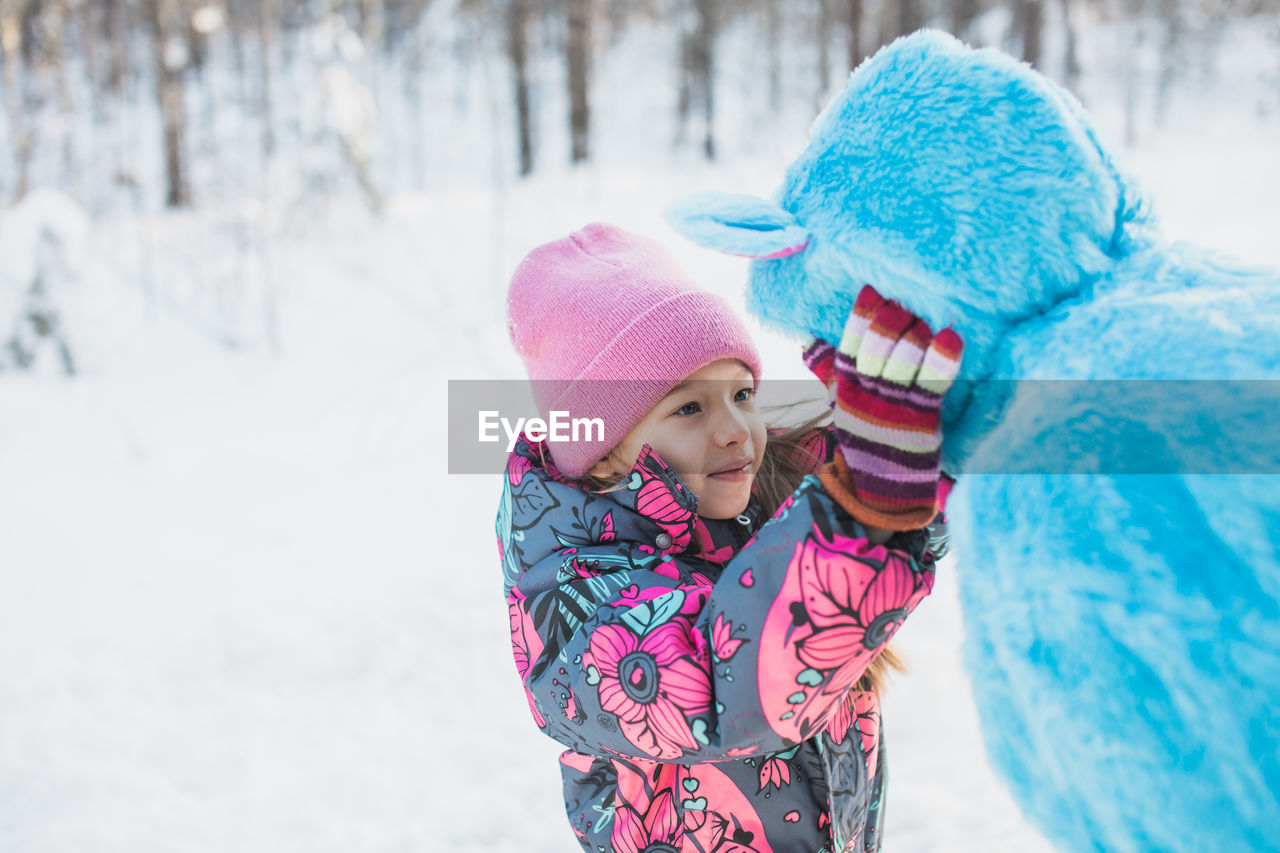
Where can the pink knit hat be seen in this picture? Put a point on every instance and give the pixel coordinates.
(604, 305)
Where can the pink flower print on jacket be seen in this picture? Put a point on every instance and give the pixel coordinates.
(652, 684)
(859, 711)
(672, 508)
(842, 599)
(867, 709)
(526, 646)
(718, 817)
(642, 819)
(775, 771)
(517, 468)
(724, 644)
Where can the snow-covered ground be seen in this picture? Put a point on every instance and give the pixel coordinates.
(243, 607)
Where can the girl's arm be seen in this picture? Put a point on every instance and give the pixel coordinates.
(626, 651)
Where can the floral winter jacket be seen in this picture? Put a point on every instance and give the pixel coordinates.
(704, 674)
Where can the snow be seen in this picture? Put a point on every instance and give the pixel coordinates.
(208, 19)
(44, 233)
(242, 605)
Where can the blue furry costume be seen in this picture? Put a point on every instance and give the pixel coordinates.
(1123, 624)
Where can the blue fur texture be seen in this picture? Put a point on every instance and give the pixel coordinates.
(1123, 630)
(737, 224)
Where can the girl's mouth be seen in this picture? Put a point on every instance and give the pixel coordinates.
(733, 475)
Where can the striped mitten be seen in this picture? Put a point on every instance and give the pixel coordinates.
(887, 382)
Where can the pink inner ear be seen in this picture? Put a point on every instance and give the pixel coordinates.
(782, 253)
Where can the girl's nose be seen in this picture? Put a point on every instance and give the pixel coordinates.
(731, 427)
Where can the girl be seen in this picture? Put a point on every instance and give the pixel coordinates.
(695, 615)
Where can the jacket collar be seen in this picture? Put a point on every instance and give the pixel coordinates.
(662, 507)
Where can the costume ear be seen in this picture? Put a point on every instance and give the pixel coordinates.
(737, 225)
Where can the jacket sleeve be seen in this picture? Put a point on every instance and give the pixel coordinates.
(628, 651)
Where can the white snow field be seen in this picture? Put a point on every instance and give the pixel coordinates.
(243, 607)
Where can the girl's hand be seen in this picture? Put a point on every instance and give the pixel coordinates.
(886, 383)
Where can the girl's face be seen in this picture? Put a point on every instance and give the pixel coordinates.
(710, 431)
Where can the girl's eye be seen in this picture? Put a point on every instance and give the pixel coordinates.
(743, 395)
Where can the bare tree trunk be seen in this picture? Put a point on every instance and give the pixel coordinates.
(90, 47)
(374, 28)
(55, 27)
(578, 61)
(32, 35)
(702, 69)
(855, 22)
(268, 27)
(197, 43)
(266, 44)
(823, 37)
(708, 23)
(518, 13)
(910, 16)
(117, 27)
(616, 20)
(170, 95)
(417, 55)
(1028, 20)
(21, 134)
(1129, 72)
(963, 13)
(1071, 69)
(684, 86)
(1171, 58)
(773, 38)
(240, 28)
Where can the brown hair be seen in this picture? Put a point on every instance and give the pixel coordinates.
(790, 453)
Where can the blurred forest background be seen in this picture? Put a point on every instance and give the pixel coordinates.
(262, 115)
(99, 95)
